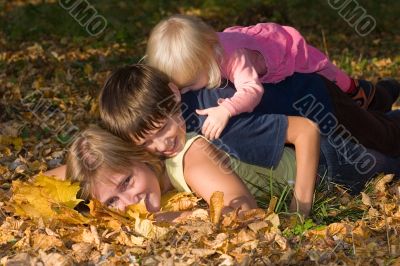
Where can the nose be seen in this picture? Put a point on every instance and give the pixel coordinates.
(127, 199)
(163, 145)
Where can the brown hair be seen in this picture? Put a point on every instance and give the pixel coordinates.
(96, 149)
(135, 100)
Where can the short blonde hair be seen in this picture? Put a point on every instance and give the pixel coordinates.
(182, 46)
(95, 150)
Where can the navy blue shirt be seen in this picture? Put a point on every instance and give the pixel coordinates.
(259, 137)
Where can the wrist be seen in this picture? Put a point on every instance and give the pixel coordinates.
(226, 110)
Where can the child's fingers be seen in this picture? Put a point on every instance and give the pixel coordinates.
(218, 133)
(205, 128)
(214, 132)
(202, 111)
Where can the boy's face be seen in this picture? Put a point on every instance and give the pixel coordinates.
(168, 139)
(119, 190)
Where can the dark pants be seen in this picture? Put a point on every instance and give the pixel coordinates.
(320, 100)
(372, 128)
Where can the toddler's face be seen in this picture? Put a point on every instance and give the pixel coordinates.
(119, 190)
(200, 82)
(168, 139)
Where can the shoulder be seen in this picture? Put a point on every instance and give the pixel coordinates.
(202, 156)
(198, 151)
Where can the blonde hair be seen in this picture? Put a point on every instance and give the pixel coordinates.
(182, 46)
(95, 150)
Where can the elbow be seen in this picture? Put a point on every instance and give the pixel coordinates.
(244, 203)
(309, 135)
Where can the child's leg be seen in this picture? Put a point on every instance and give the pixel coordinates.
(352, 165)
(387, 93)
(363, 92)
(379, 97)
(373, 129)
(338, 76)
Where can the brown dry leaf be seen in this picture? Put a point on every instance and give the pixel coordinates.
(366, 200)
(252, 214)
(272, 204)
(81, 251)
(372, 212)
(336, 229)
(216, 206)
(257, 226)
(178, 201)
(389, 208)
(21, 259)
(55, 259)
(202, 252)
(361, 232)
(281, 241)
(132, 241)
(220, 240)
(45, 242)
(243, 236)
(147, 228)
(273, 218)
(380, 186)
(199, 214)
(230, 219)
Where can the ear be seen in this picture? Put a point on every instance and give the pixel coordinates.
(175, 90)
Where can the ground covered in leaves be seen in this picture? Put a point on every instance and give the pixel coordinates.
(50, 71)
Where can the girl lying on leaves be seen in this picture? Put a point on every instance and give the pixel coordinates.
(139, 104)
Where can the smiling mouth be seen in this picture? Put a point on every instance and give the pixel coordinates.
(172, 150)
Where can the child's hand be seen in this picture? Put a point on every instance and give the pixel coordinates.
(216, 121)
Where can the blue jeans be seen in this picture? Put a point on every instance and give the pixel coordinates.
(352, 165)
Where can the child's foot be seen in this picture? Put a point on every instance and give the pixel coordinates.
(386, 94)
(391, 86)
(364, 93)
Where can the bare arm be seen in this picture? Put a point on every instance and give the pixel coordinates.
(206, 173)
(305, 136)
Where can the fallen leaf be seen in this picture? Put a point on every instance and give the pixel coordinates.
(47, 198)
(216, 206)
(178, 201)
(380, 186)
(366, 200)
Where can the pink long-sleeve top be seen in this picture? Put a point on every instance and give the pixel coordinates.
(268, 53)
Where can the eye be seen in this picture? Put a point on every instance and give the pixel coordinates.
(126, 182)
(164, 126)
(112, 202)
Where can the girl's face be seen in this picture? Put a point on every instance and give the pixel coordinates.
(118, 190)
(167, 140)
(198, 83)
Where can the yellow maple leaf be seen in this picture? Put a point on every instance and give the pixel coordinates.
(139, 208)
(8, 140)
(47, 198)
(61, 191)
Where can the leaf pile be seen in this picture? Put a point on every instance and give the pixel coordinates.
(45, 230)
